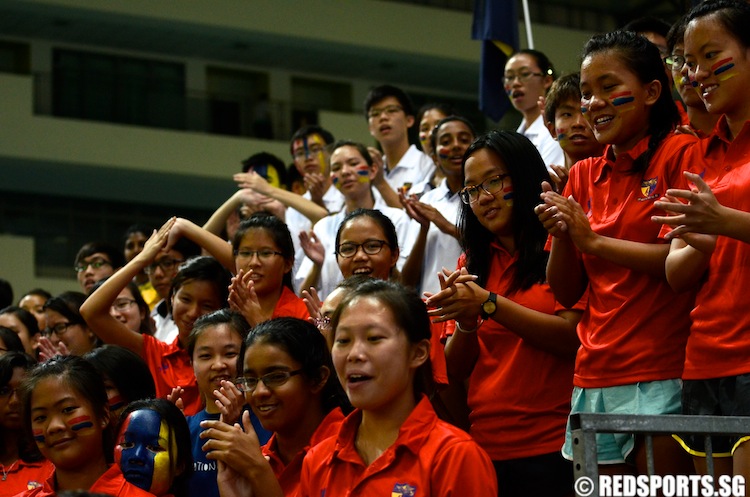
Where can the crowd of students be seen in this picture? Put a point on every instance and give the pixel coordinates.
(420, 322)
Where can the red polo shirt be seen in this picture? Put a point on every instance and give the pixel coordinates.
(170, 366)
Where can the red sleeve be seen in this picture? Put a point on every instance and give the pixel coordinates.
(465, 458)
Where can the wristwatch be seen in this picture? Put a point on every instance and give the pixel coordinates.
(489, 306)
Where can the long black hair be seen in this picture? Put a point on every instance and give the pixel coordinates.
(527, 171)
(643, 59)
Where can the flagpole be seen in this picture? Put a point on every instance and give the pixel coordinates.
(527, 23)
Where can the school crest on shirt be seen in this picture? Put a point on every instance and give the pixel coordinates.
(648, 187)
(403, 490)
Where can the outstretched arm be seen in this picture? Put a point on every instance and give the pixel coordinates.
(308, 208)
(214, 245)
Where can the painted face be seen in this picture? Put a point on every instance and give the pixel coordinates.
(682, 83)
(78, 338)
(134, 245)
(718, 66)
(374, 360)
(525, 82)
(65, 425)
(215, 359)
(258, 252)
(163, 270)
(310, 155)
(10, 402)
(388, 122)
(278, 408)
(574, 133)
(358, 231)
(429, 119)
(35, 305)
(11, 321)
(146, 451)
(191, 301)
(125, 310)
(617, 105)
(494, 212)
(93, 268)
(453, 139)
(350, 172)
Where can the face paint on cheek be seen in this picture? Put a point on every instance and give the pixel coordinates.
(723, 69)
(38, 436)
(584, 109)
(562, 138)
(162, 478)
(444, 153)
(623, 101)
(322, 162)
(508, 196)
(363, 173)
(81, 425)
(336, 181)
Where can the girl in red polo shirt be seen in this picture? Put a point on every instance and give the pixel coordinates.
(289, 382)
(712, 231)
(65, 405)
(524, 344)
(634, 328)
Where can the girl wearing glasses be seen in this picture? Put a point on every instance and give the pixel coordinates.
(21, 464)
(199, 287)
(528, 76)
(130, 309)
(67, 331)
(262, 257)
(352, 170)
(65, 406)
(507, 333)
(288, 380)
(634, 328)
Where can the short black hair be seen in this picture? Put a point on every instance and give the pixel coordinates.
(648, 24)
(310, 129)
(115, 255)
(259, 163)
(564, 88)
(384, 91)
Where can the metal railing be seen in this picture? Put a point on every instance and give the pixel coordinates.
(585, 426)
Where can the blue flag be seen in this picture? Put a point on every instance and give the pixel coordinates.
(496, 24)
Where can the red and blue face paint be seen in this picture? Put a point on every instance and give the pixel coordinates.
(508, 195)
(38, 436)
(723, 69)
(80, 423)
(623, 100)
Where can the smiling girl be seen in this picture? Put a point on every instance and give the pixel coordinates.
(66, 411)
(710, 240)
(634, 328)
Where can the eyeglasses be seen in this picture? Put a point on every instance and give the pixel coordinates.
(675, 62)
(263, 255)
(522, 76)
(248, 384)
(59, 329)
(388, 109)
(166, 265)
(311, 151)
(490, 186)
(370, 247)
(95, 264)
(121, 305)
(7, 391)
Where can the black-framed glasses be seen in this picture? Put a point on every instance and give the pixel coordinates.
(370, 247)
(388, 109)
(674, 61)
(263, 255)
(166, 265)
(121, 305)
(248, 384)
(490, 186)
(95, 264)
(59, 329)
(522, 76)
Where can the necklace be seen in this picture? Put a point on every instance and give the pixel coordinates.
(10, 468)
